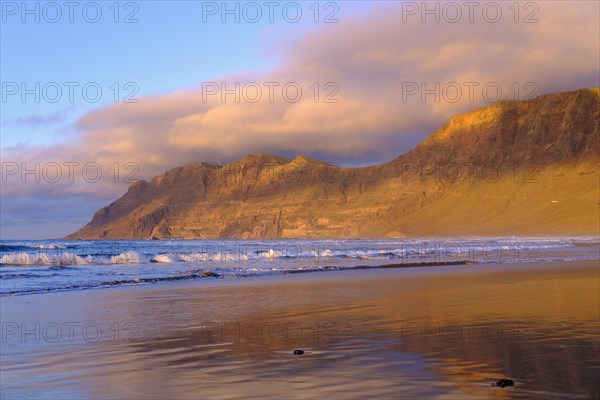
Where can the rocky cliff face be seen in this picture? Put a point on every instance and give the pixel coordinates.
(513, 168)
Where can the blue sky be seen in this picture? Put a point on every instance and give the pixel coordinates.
(158, 45)
(363, 59)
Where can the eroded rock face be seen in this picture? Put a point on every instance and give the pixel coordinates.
(511, 168)
(550, 129)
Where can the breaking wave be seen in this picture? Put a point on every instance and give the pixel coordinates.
(41, 259)
(34, 266)
(288, 253)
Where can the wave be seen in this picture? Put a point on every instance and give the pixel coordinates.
(9, 247)
(35, 246)
(487, 251)
(132, 276)
(129, 257)
(42, 259)
(215, 257)
(117, 282)
(45, 253)
(161, 258)
(51, 246)
(213, 273)
(62, 259)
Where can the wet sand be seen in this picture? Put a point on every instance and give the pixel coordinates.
(435, 332)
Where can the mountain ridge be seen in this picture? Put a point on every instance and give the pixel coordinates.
(509, 168)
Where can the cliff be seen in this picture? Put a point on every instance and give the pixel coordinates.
(513, 168)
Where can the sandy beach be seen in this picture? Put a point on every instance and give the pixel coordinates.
(441, 332)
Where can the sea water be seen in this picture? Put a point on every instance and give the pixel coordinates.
(37, 266)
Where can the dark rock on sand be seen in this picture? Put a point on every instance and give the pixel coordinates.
(504, 383)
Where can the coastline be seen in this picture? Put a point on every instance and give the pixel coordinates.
(383, 332)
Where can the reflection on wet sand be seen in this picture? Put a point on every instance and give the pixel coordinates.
(446, 333)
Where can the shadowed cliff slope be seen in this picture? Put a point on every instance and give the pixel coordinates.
(513, 168)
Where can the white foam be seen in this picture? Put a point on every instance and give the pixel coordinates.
(161, 258)
(42, 259)
(49, 246)
(210, 256)
(129, 257)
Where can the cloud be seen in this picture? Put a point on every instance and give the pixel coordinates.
(370, 60)
(37, 120)
(34, 121)
(364, 64)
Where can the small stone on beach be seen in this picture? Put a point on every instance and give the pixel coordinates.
(504, 383)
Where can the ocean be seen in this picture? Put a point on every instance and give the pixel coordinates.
(39, 266)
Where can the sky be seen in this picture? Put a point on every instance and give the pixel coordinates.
(97, 94)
